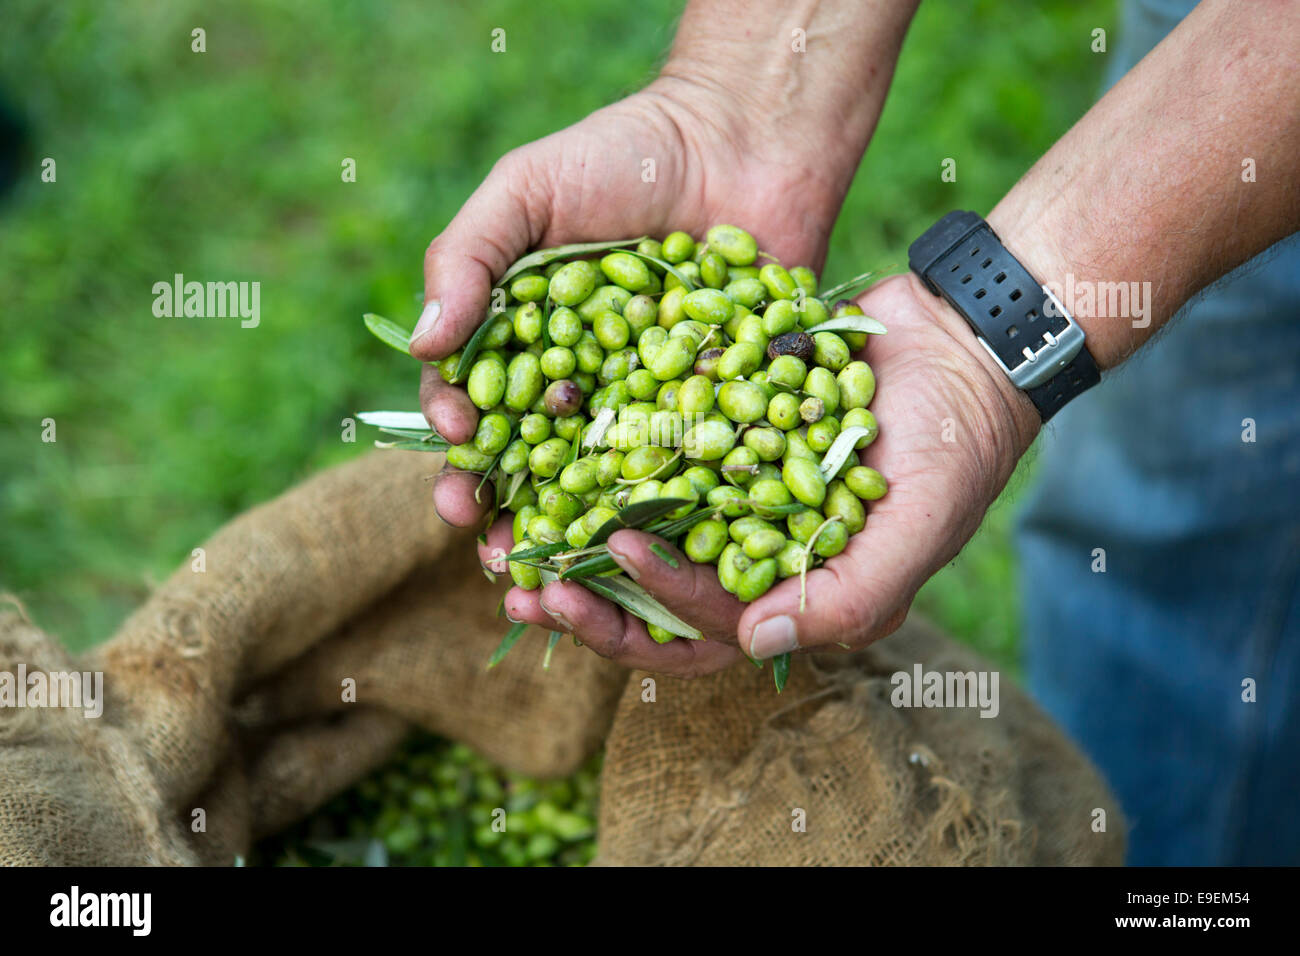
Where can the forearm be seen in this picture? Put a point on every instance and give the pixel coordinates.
(1153, 185)
(811, 74)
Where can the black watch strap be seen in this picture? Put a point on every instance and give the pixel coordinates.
(1025, 327)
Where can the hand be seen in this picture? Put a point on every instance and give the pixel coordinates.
(952, 428)
(712, 165)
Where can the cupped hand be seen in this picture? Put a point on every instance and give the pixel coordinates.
(952, 428)
(677, 155)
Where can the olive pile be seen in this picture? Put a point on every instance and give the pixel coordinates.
(679, 370)
(440, 804)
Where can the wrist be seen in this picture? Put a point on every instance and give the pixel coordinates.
(762, 126)
(1007, 405)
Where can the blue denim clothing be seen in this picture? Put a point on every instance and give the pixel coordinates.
(1144, 664)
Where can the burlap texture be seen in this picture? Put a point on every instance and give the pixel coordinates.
(723, 772)
(225, 694)
(225, 689)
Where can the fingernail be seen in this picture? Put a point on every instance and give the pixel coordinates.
(558, 617)
(774, 636)
(428, 319)
(624, 562)
(513, 620)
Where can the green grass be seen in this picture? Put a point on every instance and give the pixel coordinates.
(225, 165)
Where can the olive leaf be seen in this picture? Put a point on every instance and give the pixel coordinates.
(550, 646)
(840, 450)
(542, 551)
(667, 267)
(594, 433)
(850, 323)
(412, 445)
(412, 420)
(507, 642)
(780, 670)
(849, 286)
(388, 332)
(626, 594)
(473, 347)
(421, 435)
(636, 516)
(589, 567)
(544, 257)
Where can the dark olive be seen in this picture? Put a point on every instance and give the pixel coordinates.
(792, 343)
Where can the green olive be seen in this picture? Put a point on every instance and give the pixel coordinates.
(626, 270)
(742, 401)
(670, 307)
(710, 306)
(468, 458)
(680, 487)
(606, 297)
(805, 481)
(783, 411)
(738, 465)
(705, 541)
(780, 318)
(492, 434)
(830, 351)
(647, 490)
(733, 244)
(861, 418)
(545, 459)
(561, 505)
(645, 461)
(515, 458)
(522, 382)
(641, 313)
(764, 543)
(756, 582)
(500, 331)
(833, 539)
(574, 282)
(821, 435)
(609, 467)
(487, 382)
(731, 499)
(695, 397)
(867, 483)
(857, 385)
(708, 441)
(673, 358)
(806, 279)
(678, 247)
(611, 330)
(820, 383)
(739, 360)
(768, 443)
(790, 559)
(558, 362)
(642, 384)
(524, 515)
(545, 530)
(690, 270)
(777, 281)
(524, 575)
(804, 524)
(535, 428)
(787, 370)
(713, 270)
(842, 503)
(564, 327)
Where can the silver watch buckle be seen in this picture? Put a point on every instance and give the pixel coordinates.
(1041, 365)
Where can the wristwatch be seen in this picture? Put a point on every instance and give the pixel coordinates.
(1019, 321)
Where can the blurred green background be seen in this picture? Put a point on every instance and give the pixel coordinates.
(226, 165)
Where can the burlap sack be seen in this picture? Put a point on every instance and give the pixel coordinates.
(225, 691)
(225, 695)
(723, 772)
